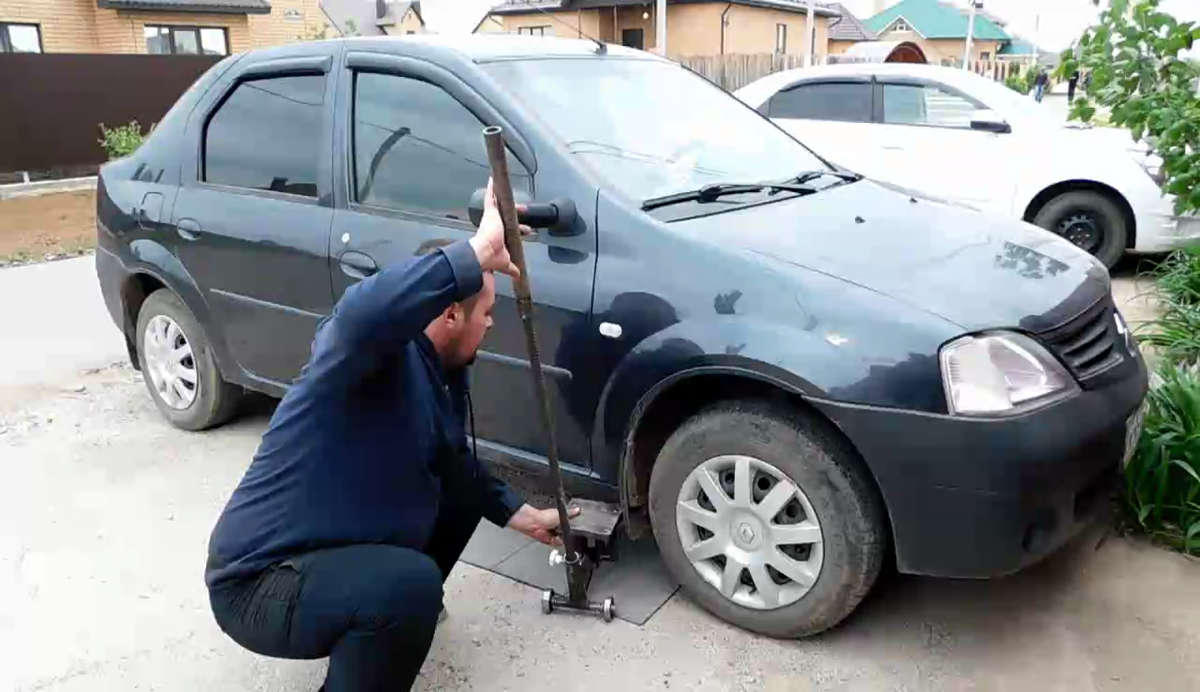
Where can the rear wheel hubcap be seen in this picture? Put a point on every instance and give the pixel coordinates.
(170, 362)
(749, 531)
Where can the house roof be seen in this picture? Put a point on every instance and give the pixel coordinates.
(392, 12)
(200, 6)
(529, 6)
(848, 27)
(934, 19)
(1018, 46)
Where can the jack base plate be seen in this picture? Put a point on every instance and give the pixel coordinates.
(553, 602)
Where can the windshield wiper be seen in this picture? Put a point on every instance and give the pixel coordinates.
(713, 191)
(809, 176)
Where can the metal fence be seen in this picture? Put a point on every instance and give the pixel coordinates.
(54, 104)
(733, 71)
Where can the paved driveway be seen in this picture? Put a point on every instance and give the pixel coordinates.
(105, 511)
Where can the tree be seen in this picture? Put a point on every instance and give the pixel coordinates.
(1133, 56)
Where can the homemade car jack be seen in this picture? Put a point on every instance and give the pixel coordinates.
(587, 539)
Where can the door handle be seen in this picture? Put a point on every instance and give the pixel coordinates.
(356, 265)
(188, 229)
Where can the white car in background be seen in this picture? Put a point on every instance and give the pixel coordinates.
(954, 135)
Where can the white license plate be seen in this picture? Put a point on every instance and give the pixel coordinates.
(1133, 430)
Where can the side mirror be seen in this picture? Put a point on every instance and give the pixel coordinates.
(989, 121)
(556, 216)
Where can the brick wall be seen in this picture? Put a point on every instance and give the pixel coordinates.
(78, 26)
(121, 31)
(67, 26)
(278, 27)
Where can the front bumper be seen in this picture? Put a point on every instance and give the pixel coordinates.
(983, 498)
(1161, 230)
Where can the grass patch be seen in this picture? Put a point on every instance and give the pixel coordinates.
(1162, 481)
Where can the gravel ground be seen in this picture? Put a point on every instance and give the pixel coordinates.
(105, 511)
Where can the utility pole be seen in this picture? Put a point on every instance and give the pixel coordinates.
(810, 55)
(970, 35)
(660, 27)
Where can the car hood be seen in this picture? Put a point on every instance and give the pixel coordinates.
(972, 269)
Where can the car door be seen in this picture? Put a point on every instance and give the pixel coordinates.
(832, 117)
(414, 156)
(254, 210)
(927, 143)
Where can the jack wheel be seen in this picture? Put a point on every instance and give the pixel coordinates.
(547, 606)
(609, 609)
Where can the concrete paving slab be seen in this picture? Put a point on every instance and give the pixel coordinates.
(490, 545)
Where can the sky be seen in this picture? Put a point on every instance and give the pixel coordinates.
(1052, 24)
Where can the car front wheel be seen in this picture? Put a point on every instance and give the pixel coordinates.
(1090, 221)
(178, 366)
(767, 518)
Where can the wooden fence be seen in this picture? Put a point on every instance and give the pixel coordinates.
(54, 104)
(734, 71)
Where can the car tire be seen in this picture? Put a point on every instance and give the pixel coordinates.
(834, 485)
(178, 365)
(1075, 215)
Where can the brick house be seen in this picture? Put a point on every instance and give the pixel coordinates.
(215, 27)
(940, 29)
(375, 17)
(694, 27)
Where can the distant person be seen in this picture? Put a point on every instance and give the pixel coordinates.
(1071, 82)
(1039, 85)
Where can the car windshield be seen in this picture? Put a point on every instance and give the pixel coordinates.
(652, 128)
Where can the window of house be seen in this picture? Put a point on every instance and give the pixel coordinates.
(185, 40)
(841, 101)
(416, 148)
(914, 104)
(535, 30)
(20, 38)
(901, 26)
(266, 134)
(781, 38)
(985, 56)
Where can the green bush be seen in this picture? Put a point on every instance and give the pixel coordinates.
(1162, 481)
(1175, 333)
(122, 140)
(1017, 83)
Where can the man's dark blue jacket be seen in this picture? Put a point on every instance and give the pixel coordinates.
(367, 435)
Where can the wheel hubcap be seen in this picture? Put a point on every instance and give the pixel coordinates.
(1082, 230)
(169, 362)
(749, 531)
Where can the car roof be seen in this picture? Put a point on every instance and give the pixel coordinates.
(758, 91)
(492, 47)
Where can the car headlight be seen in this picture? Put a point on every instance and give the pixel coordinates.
(998, 372)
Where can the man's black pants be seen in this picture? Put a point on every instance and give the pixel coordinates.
(372, 609)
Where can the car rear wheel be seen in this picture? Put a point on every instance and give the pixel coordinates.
(1090, 221)
(178, 366)
(767, 518)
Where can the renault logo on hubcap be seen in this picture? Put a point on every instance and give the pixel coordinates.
(746, 533)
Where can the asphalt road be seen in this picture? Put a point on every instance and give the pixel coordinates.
(105, 512)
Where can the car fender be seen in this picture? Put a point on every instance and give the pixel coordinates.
(808, 362)
(152, 258)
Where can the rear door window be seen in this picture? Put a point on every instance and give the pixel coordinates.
(418, 149)
(266, 136)
(838, 101)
